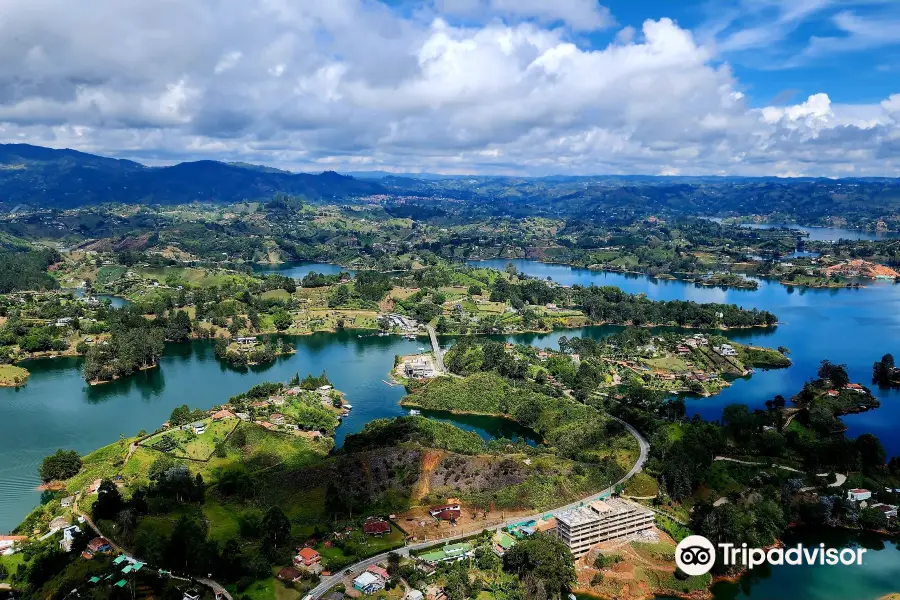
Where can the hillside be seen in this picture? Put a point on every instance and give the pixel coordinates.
(66, 178)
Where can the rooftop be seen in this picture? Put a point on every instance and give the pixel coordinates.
(576, 517)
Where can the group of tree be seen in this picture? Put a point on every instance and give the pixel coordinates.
(136, 343)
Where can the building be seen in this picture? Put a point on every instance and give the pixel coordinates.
(376, 527)
(289, 574)
(889, 511)
(246, 341)
(376, 570)
(199, 427)
(449, 553)
(858, 494)
(307, 557)
(221, 415)
(415, 595)
(585, 526)
(368, 583)
(67, 501)
(726, 350)
(277, 418)
(449, 512)
(502, 542)
(855, 387)
(98, 545)
(8, 543)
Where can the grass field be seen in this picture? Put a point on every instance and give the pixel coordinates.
(190, 445)
(11, 375)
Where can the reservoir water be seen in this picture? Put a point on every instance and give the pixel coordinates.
(57, 409)
(849, 326)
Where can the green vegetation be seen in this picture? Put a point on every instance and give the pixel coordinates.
(382, 433)
(65, 464)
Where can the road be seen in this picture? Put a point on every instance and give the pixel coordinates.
(329, 582)
(438, 354)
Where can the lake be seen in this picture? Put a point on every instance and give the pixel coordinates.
(851, 326)
(57, 409)
(299, 269)
(877, 576)
(823, 234)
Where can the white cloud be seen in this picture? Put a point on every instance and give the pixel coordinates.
(309, 85)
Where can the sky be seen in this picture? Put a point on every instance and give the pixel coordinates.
(506, 87)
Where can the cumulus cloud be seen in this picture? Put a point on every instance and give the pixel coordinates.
(357, 84)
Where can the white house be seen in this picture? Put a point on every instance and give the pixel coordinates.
(858, 494)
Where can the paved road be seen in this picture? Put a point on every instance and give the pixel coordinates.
(329, 582)
(438, 354)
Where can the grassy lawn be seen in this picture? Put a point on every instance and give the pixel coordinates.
(11, 375)
(642, 485)
(669, 363)
(190, 445)
(11, 564)
(276, 294)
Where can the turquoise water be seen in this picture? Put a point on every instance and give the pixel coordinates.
(851, 326)
(824, 234)
(57, 409)
(877, 576)
(298, 270)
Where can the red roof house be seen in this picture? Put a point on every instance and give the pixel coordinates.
(376, 527)
(307, 557)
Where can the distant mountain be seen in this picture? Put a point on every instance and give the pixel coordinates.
(46, 177)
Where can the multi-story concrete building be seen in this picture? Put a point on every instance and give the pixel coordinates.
(585, 526)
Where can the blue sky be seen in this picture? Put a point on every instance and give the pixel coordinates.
(530, 87)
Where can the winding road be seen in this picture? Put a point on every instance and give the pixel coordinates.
(329, 582)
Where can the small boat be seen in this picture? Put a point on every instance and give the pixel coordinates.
(415, 412)
(348, 406)
(421, 349)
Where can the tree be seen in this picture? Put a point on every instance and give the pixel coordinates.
(474, 290)
(871, 452)
(282, 319)
(836, 374)
(180, 415)
(109, 501)
(275, 527)
(883, 370)
(872, 518)
(61, 465)
(545, 558)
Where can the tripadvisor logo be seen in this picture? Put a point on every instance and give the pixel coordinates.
(696, 555)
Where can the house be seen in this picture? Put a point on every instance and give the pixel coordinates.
(445, 513)
(265, 424)
(449, 553)
(376, 570)
(855, 387)
(221, 415)
(726, 350)
(8, 543)
(246, 341)
(277, 400)
(858, 494)
(277, 418)
(307, 557)
(289, 574)
(63, 322)
(92, 489)
(542, 355)
(683, 350)
(415, 595)
(59, 523)
(242, 416)
(67, 501)
(191, 595)
(889, 511)
(376, 527)
(833, 393)
(99, 545)
(502, 542)
(324, 388)
(199, 427)
(368, 583)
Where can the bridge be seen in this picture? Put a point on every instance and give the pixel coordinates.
(438, 355)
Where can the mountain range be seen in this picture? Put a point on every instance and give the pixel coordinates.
(46, 177)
